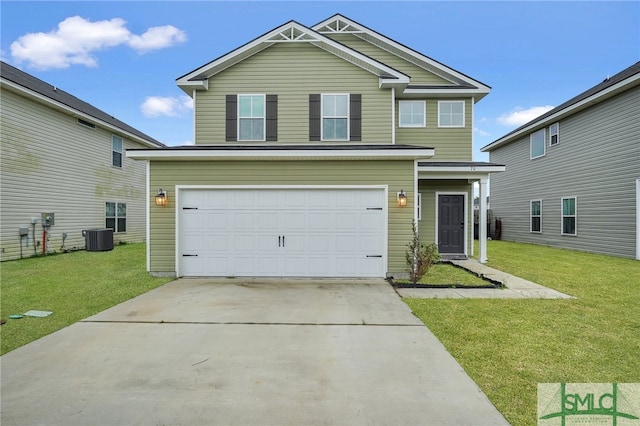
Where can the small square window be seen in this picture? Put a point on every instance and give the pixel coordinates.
(411, 113)
(554, 134)
(451, 114)
(116, 151)
(537, 144)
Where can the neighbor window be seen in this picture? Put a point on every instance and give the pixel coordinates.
(554, 134)
(569, 218)
(116, 216)
(451, 114)
(335, 117)
(536, 216)
(411, 113)
(537, 144)
(116, 151)
(251, 117)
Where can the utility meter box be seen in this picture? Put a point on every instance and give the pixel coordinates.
(23, 232)
(48, 219)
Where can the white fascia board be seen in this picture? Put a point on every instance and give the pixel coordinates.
(461, 169)
(74, 112)
(418, 56)
(571, 109)
(203, 154)
(478, 93)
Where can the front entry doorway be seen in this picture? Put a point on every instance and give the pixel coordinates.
(451, 229)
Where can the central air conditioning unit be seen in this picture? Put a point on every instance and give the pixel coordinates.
(98, 239)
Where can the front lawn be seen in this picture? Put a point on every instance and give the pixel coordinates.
(509, 346)
(73, 286)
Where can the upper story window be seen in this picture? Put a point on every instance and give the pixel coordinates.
(554, 134)
(335, 117)
(450, 113)
(569, 216)
(116, 151)
(251, 117)
(536, 216)
(412, 113)
(537, 144)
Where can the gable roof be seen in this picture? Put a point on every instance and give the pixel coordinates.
(340, 24)
(293, 32)
(20, 80)
(611, 86)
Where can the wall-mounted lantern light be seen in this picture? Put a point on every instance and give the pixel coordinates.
(401, 197)
(161, 198)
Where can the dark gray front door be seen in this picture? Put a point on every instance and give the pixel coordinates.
(451, 224)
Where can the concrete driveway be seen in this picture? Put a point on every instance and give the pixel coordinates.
(245, 352)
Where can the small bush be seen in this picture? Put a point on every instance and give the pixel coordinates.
(419, 257)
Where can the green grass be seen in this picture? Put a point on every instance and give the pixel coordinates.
(509, 346)
(450, 275)
(73, 286)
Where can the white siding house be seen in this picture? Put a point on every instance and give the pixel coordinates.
(572, 175)
(61, 155)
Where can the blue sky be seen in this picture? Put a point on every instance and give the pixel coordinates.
(124, 57)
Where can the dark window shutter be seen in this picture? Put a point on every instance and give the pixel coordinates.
(272, 118)
(355, 117)
(314, 117)
(232, 118)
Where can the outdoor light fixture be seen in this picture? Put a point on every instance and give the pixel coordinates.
(401, 198)
(161, 198)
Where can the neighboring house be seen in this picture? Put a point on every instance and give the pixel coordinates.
(63, 156)
(314, 146)
(573, 174)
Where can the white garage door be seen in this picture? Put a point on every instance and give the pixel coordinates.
(282, 232)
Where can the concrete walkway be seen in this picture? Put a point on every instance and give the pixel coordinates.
(245, 352)
(514, 287)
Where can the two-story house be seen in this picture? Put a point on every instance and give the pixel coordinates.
(573, 174)
(64, 170)
(316, 148)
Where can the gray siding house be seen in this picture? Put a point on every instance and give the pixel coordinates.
(63, 156)
(572, 175)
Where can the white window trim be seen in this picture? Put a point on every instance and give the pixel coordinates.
(419, 206)
(562, 216)
(464, 106)
(121, 152)
(531, 216)
(115, 217)
(544, 144)
(424, 114)
(322, 117)
(557, 134)
(264, 117)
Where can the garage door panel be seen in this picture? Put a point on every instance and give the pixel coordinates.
(325, 232)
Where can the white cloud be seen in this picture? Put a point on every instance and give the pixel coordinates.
(520, 116)
(76, 40)
(156, 106)
(480, 132)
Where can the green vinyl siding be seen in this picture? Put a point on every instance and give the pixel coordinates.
(451, 144)
(293, 71)
(419, 76)
(167, 174)
(428, 188)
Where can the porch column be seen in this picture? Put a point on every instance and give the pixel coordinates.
(482, 225)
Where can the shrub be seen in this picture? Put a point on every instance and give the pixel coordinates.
(419, 257)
